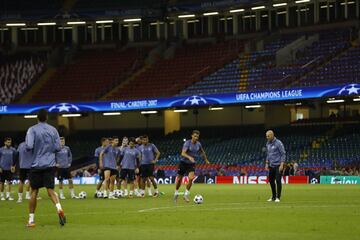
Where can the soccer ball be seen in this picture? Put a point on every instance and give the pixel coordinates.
(82, 195)
(198, 199)
(117, 193)
(100, 194)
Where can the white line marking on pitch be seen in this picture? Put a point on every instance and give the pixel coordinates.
(278, 205)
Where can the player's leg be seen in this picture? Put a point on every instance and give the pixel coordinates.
(143, 180)
(36, 181)
(20, 190)
(32, 207)
(278, 184)
(137, 184)
(142, 186)
(124, 185)
(177, 186)
(71, 188)
(191, 176)
(100, 183)
(71, 184)
(49, 183)
(148, 185)
(107, 173)
(118, 182)
(54, 198)
(123, 174)
(61, 189)
(132, 180)
(2, 183)
(24, 180)
(21, 185)
(61, 178)
(272, 176)
(9, 183)
(112, 183)
(152, 180)
(180, 175)
(27, 189)
(123, 182)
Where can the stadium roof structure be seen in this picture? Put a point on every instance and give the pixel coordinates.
(159, 9)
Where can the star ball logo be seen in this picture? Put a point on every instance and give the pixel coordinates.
(350, 89)
(195, 100)
(64, 107)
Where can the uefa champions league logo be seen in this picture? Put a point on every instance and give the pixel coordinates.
(64, 107)
(350, 89)
(195, 100)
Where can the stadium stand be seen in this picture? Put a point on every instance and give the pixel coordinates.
(258, 70)
(344, 69)
(190, 63)
(18, 73)
(91, 75)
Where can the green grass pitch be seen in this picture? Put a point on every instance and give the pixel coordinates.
(228, 212)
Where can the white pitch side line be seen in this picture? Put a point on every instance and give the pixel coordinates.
(283, 204)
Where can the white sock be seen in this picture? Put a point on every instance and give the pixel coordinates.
(131, 193)
(126, 192)
(20, 195)
(156, 190)
(58, 206)
(72, 191)
(97, 191)
(31, 217)
(150, 193)
(7, 194)
(2, 194)
(61, 192)
(176, 192)
(27, 194)
(187, 192)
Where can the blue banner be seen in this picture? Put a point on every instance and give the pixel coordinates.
(187, 101)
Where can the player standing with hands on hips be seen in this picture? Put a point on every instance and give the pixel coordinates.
(275, 158)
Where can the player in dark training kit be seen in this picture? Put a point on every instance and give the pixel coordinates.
(190, 151)
(44, 141)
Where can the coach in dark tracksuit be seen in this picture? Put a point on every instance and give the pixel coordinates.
(275, 158)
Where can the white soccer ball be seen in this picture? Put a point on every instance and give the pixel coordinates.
(82, 195)
(117, 193)
(100, 194)
(198, 199)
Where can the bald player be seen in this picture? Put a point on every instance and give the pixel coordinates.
(275, 158)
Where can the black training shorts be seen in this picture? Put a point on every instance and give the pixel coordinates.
(147, 170)
(128, 174)
(42, 178)
(185, 168)
(24, 174)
